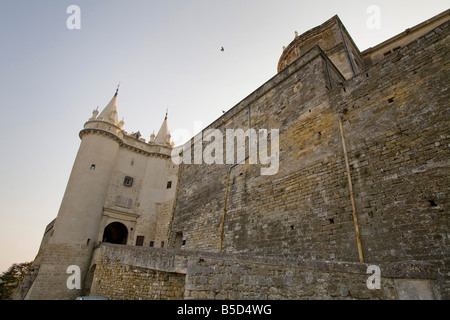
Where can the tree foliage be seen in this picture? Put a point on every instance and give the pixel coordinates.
(11, 278)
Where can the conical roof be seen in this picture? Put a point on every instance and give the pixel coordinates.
(163, 135)
(109, 113)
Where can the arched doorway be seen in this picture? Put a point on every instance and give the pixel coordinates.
(115, 232)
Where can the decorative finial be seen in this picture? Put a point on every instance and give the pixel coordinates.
(121, 123)
(167, 111)
(117, 90)
(94, 114)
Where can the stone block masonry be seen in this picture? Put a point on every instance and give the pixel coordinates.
(124, 272)
(127, 282)
(361, 184)
(396, 125)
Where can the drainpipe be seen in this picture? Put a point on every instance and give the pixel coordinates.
(249, 132)
(224, 212)
(352, 196)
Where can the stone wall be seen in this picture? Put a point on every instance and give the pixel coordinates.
(395, 123)
(126, 282)
(201, 195)
(256, 236)
(126, 272)
(51, 280)
(245, 278)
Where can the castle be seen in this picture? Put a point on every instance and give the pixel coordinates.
(362, 181)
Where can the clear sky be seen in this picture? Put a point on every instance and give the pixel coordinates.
(165, 54)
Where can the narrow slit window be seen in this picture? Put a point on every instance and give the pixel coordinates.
(169, 185)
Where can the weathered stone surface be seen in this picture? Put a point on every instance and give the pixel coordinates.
(395, 122)
(372, 145)
(231, 276)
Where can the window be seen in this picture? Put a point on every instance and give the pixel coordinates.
(92, 166)
(128, 181)
(139, 241)
(169, 185)
(152, 243)
(162, 244)
(180, 241)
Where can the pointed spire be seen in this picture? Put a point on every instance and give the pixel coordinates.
(163, 135)
(109, 114)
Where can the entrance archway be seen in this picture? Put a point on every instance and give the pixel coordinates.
(115, 232)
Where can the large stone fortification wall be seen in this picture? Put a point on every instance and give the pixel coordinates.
(395, 121)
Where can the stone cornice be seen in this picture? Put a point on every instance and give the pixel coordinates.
(122, 143)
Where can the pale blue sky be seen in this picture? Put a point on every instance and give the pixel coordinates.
(164, 54)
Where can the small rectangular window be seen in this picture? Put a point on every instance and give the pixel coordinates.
(92, 166)
(183, 243)
(169, 185)
(128, 181)
(162, 244)
(139, 241)
(152, 243)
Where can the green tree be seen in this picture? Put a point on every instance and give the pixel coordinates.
(11, 278)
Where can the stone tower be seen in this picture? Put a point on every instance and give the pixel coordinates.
(119, 191)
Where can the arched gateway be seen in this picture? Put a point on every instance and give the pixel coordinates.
(115, 232)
